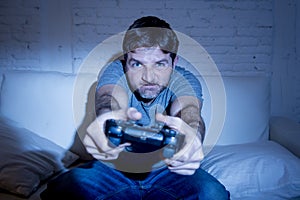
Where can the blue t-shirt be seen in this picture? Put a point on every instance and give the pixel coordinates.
(182, 83)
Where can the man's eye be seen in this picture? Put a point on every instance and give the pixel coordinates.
(162, 65)
(136, 65)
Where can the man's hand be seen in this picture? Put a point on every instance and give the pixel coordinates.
(187, 160)
(96, 142)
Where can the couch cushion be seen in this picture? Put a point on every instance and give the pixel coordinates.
(247, 109)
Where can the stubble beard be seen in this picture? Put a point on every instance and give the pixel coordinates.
(150, 92)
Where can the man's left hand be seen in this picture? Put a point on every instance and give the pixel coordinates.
(187, 160)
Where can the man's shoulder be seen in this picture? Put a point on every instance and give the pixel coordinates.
(183, 81)
(115, 66)
(114, 63)
(185, 73)
(184, 70)
(111, 74)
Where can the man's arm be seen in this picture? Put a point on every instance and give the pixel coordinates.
(111, 102)
(185, 117)
(110, 98)
(188, 109)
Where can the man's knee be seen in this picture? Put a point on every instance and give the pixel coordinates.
(209, 187)
(213, 190)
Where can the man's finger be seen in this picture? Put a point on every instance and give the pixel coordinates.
(133, 114)
(172, 122)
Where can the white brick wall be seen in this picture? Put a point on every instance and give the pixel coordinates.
(19, 34)
(56, 35)
(286, 73)
(238, 35)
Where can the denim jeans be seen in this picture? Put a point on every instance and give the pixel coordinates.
(94, 180)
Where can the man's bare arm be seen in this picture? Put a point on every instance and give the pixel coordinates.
(188, 109)
(110, 98)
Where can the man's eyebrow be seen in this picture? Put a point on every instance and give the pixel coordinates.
(134, 60)
(162, 60)
(159, 61)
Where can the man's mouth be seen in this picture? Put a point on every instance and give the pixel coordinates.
(150, 87)
(149, 91)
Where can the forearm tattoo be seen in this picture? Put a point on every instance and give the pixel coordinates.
(191, 116)
(105, 103)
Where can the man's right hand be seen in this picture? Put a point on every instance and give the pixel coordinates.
(96, 142)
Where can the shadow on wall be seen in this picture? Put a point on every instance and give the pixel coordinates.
(77, 147)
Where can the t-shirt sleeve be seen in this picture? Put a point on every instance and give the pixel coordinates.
(184, 83)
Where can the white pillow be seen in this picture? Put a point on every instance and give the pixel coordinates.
(27, 159)
(263, 170)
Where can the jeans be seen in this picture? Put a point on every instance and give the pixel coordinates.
(94, 180)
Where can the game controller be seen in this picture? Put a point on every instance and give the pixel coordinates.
(144, 139)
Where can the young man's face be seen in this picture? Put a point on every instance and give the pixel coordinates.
(148, 71)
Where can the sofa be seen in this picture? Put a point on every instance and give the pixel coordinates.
(43, 116)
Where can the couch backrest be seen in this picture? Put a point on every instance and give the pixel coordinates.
(247, 110)
(43, 103)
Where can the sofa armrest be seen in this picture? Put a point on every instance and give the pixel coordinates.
(286, 132)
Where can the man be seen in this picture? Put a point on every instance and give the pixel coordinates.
(147, 86)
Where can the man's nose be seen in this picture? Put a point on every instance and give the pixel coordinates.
(148, 74)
